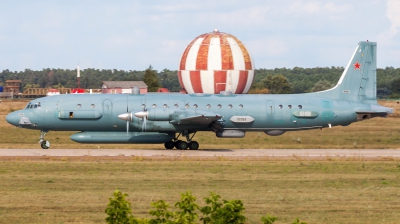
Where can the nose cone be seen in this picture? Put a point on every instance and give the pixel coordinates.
(13, 118)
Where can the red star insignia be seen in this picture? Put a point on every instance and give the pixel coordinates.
(357, 66)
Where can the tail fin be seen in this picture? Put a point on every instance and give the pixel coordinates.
(358, 81)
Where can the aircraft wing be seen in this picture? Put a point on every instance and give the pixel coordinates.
(200, 120)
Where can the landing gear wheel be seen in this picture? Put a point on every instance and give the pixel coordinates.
(181, 145)
(45, 144)
(169, 145)
(193, 145)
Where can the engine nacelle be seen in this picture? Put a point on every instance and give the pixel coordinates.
(274, 132)
(156, 114)
(159, 114)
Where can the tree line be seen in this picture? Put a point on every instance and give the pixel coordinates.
(278, 80)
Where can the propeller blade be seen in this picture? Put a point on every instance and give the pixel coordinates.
(144, 124)
(127, 127)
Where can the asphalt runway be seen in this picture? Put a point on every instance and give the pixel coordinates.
(370, 153)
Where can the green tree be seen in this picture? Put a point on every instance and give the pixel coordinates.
(297, 221)
(119, 209)
(151, 80)
(259, 91)
(222, 212)
(395, 86)
(268, 219)
(28, 86)
(277, 84)
(321, 85)
(161, 213)
(187, 209)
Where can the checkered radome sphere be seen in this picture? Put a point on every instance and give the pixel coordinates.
(215, 62)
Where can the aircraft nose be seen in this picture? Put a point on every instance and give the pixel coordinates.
(13, 118)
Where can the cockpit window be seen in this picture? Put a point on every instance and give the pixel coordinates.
(33, 106)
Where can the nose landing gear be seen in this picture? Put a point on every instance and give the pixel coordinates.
(43, 143)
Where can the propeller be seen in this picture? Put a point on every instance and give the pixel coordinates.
(144, 115)
(126, 117)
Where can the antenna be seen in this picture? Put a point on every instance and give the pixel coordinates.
(78, 74)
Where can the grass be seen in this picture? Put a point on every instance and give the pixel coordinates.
(377, 133)
(75, 191)
(329, 190)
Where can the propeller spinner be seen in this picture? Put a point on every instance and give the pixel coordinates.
(126, 117)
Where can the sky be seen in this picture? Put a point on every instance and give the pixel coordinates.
(131, 35)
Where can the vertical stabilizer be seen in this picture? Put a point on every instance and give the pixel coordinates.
(358, 81)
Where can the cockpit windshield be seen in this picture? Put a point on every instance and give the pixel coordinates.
(33, 105)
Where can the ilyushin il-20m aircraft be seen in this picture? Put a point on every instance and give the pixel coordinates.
(162, 118)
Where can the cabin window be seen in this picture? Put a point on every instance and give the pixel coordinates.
(219, 105)
(280, 106)
(165, 106)
(240, 106)
(230, 105)
(289, 106)
(92, 106)
(176, 105)
(187, 106)
(208, 106)
(79, 105)
(154, 105)
(195, 105)
(300, 106)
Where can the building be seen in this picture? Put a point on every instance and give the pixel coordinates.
(13, 86)
(118, 87)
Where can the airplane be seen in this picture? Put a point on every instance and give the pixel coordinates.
(162, 118)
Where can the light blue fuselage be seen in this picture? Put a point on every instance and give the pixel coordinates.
(158, 117)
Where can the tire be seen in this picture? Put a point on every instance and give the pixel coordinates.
(177, 144)
(169, 145)
(182, 145)
(45, 144)
(193, 145)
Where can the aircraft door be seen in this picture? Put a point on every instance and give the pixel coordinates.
(107, 107)
(270, 108)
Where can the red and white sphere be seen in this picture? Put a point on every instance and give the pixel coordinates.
(215, 62)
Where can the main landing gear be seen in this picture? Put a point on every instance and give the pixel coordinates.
(183, 145)
(43, 143)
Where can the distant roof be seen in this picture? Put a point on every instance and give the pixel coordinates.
(124, 84)
(13, 81)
